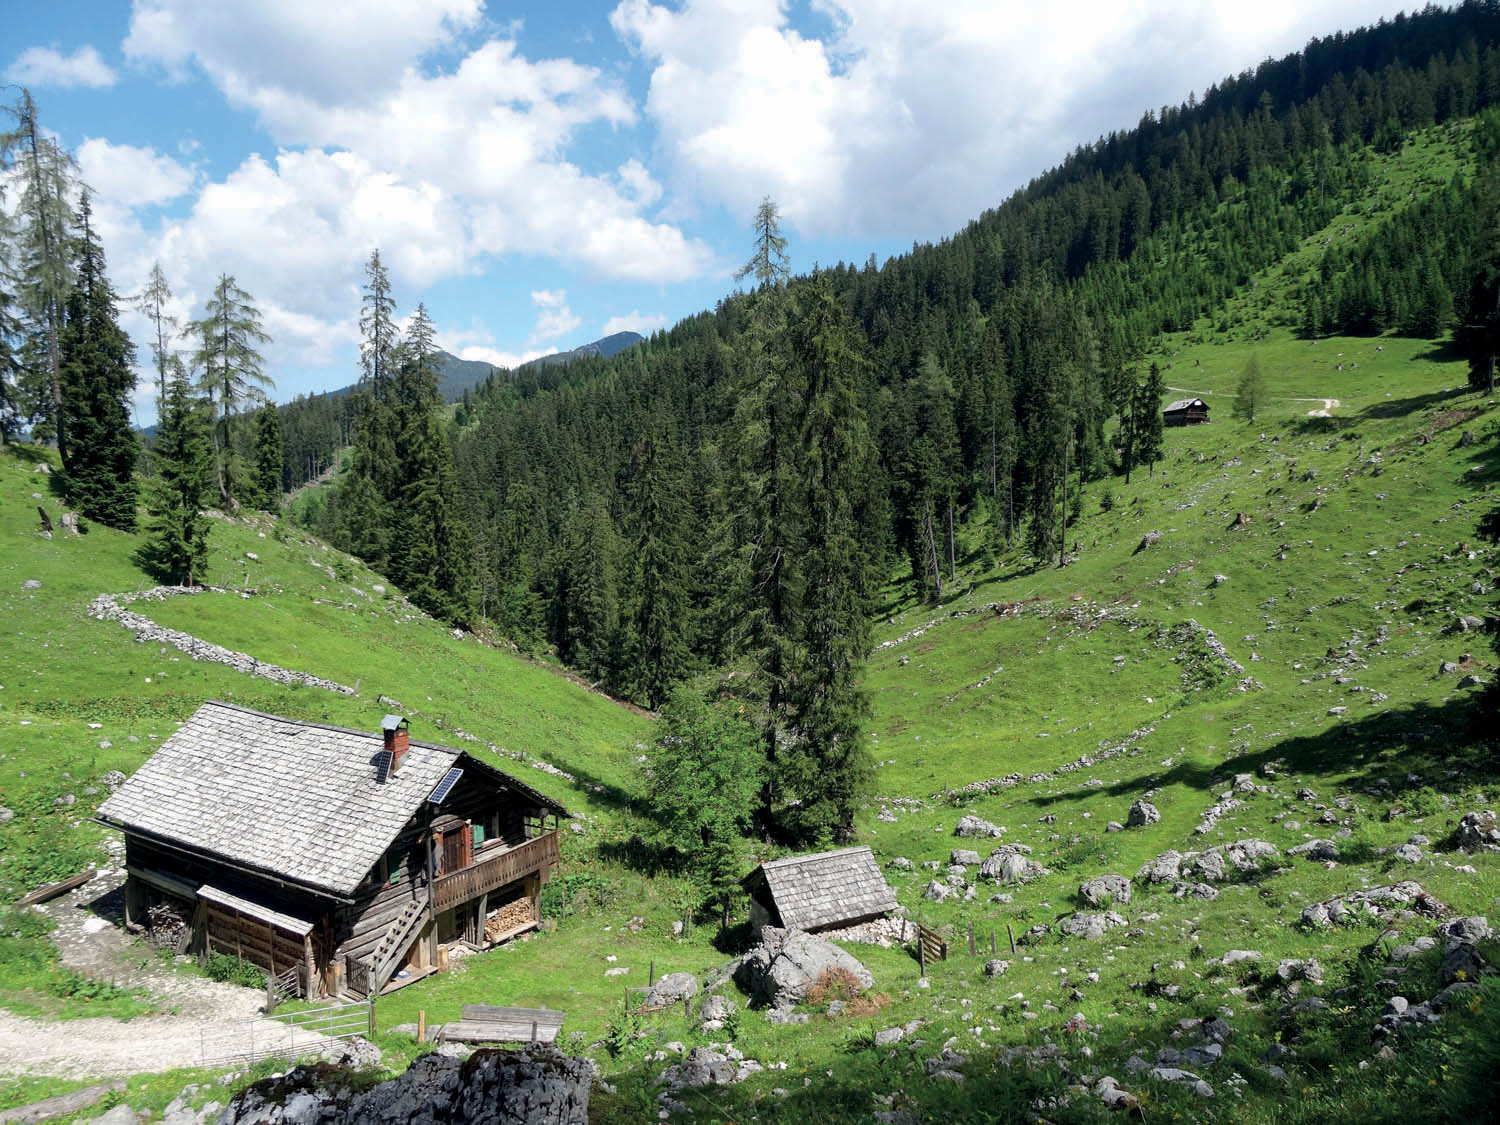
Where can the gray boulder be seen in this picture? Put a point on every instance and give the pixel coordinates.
(1476, 830)
(531, 1085)
(779, 970)
(671, 988)
(995, 967)
(976, 826)
(937, 892)
(1090, 926)
(1165, 868)
(1141, 814)
(1008, 865)
(1104, 889)
(963, 857)
(1316, 850)
(1465, 931)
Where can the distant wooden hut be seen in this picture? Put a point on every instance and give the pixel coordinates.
(829, 890)
(1185, 412)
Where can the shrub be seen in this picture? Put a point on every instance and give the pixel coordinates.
(231, 970)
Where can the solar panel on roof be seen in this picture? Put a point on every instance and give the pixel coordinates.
(444, 787)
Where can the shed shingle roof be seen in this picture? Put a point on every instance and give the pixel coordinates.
(302, 801)
(1183, 404)
(816, 891)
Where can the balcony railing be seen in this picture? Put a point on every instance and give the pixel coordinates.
(495, 869)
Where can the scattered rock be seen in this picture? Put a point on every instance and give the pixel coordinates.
(937, 892)
(1105, 889)
(31, 584)
(1319, 850)
(963, 857)
(1150, 539)
(1476, 830)
(532, 1085)
(1409, 853)
(1373, 901)
(975, 826)
(785, 963)
(1235, 956)
(671, 989)
(995, 967)
(1141, 814)
(1090, 926)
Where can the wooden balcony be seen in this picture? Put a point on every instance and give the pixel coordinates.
(495, 868)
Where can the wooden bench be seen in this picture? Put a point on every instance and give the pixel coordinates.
(483, 1023)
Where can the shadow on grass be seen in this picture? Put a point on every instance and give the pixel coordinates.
(1432, 740)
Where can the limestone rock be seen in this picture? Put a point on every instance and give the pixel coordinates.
(1104, 889)
(785, 963)
(1090, 926)
(976, 826)
(1142, 813)
(1316, 850)
(671, 988)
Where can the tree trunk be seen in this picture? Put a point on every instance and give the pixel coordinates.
(952, 547)
(934, 563)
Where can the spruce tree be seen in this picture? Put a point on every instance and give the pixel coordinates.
(269, 456)
(658, 645)
(177, 550)
(97, 383)
(828, 764)
(231, 370)
(1149, 438)
(1478, 336)
(431, 557)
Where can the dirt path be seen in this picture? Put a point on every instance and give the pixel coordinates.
(1329, 404)
(201, 1020)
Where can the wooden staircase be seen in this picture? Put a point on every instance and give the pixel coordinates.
(381, 961)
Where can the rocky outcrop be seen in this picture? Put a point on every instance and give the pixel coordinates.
(1104, 889)
(1213, 865)
(1141, 814)
(1372, 902)
(533, 1086)
(779, 970)
(969, 825)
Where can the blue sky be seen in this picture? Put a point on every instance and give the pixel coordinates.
(541, 174)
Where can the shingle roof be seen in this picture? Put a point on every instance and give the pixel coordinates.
(1183, 404)
(302, 801)
(826, 889)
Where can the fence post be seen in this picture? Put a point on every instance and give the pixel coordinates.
(421, 1025)
(971, 939)
(651, 980)
(533, 1031)
(1012, 935)
(921, 953)
(372, 1017)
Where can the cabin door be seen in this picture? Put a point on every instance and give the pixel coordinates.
(457, 851)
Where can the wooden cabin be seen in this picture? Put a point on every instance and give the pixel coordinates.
(826, 891)
(1185, 412)
(340, 862)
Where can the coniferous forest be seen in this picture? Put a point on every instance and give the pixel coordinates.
(730, 495)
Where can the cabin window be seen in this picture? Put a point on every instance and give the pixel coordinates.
(479, 833)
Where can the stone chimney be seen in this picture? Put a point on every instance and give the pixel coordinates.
(397, 741)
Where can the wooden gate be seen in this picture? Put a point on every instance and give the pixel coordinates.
(933, 947)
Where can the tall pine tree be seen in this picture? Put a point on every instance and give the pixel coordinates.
(97, 382)
(230, 369)
(269, 456)
(177, 550)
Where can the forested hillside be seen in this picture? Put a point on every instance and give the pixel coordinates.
(998, 366)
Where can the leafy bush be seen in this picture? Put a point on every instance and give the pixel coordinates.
(231, 970)
(574, 891)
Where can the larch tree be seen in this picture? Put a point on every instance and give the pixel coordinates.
(230, 369)
(97, 382)
(768, 264)
(1250, 391)
(176, 551)
(152, 303)
(46, 222)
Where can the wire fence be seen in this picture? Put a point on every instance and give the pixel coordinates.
(285, 1035)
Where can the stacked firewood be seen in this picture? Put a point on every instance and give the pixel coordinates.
(509, 917)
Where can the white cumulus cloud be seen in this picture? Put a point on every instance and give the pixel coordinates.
(634, 321)
(898, 118)
(44, 66)
(554, 318)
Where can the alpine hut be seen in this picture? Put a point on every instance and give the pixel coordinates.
(829, 890)
(340, 862)
(1185, 412)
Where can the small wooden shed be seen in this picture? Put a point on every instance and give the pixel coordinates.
(1185, 412)
(829, 890)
